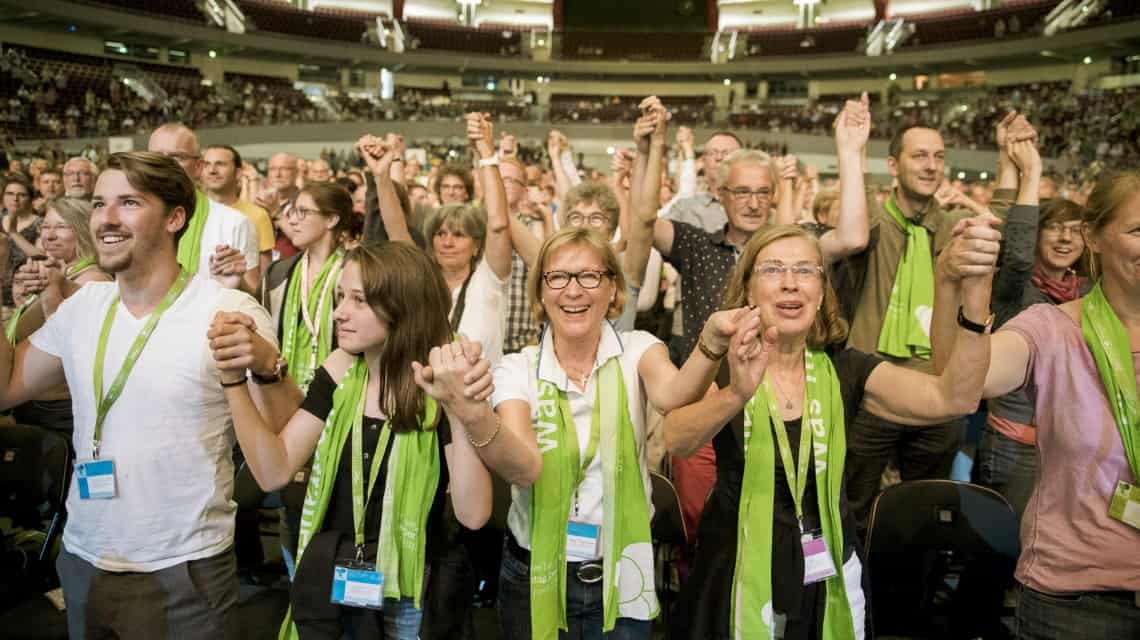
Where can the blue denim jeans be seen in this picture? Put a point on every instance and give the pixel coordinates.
(401, 619)
(1006, 466)
(584, 614)
(1088, 616)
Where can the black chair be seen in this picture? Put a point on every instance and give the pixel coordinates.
(670, 542)
(35, 471)
(941, 556)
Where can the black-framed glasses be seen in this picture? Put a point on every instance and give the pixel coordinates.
(741, 194)
(300, 213)
(801, 271)
(589, 279)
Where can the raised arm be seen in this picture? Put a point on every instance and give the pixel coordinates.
(499, 242)
(645, 229)
(556, 143)
(379, 155)
(963, 276)
(786, 172)
(850, 235)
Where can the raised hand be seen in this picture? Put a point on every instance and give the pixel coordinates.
(481, 134)
(508, 146)
(747, 363)
(685, 141)
(853, 125)
(1025, 156)
(788, 167)
(556, 143)
(379, 153)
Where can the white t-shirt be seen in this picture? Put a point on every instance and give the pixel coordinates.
(484, 312)
(226, 225)
(516, 379)
(169, 434)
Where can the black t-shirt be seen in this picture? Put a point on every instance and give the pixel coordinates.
(318, 402)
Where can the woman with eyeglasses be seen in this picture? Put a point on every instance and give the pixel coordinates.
(19, 229)
(1043, 250)
(298, 290)
(777, 553)
(568, 432)
(41, 285)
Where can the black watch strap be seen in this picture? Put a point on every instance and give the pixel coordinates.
(279, 373)
(968, 325)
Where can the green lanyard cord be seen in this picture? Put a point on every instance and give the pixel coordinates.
(103, 402)
(796, 471)
(595, 437)
(359, 499)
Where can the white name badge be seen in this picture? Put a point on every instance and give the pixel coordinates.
(96, 479)
(818, 564)
(357, 585)
(582, 541)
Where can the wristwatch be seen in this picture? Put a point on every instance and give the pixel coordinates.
(966, 324)
(492, 161)
(280, 370)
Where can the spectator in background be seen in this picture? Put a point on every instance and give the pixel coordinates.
(319, 171)
(219, 240)
(278, 198)
(79, 177)
(454, 184)
(221, 168)
(51, 187)
(19, 229)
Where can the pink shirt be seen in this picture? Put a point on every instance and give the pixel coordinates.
(1068, 541)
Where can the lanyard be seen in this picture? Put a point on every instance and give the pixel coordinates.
(359, 499)
(797, 473)
(591, 447)
(315, 327)
(103, 402)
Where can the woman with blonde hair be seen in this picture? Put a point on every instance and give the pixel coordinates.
(1079, 568)
(42, 284)
(777, 549)
(568, 432)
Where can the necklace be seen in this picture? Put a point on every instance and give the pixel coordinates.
(787, 399)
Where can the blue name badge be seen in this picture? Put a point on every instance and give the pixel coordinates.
(357, 585)
(96, 479)
(582, 541)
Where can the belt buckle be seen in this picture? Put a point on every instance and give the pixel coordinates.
(590, 572)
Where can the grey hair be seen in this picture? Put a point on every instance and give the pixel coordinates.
(744, 156)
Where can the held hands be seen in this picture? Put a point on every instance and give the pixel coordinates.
(973, 250)
(746, 365)
(237, 346)
(685, 141)
(723, 326)
(1014, 128)
(379, 153)
(456, 372)
(38, 277)
(481, 134)
(227, 266)
(1025, 156)
(853, 125)
(788, 167)
(556, 143)
(508, 146)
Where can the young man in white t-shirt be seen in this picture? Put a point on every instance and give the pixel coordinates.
(147, 549)
(229, 247)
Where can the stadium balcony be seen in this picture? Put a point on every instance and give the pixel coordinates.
(440, 35)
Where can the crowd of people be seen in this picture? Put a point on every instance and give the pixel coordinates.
(399, 351)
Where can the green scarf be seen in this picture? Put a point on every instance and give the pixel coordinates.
(1108, 341)
(409, 489)
(627, 589)
(905, 332)
(297, 345)
(14, 320)
(752, 613)
(190, 245)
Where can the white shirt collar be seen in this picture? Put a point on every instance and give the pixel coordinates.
(550, 370)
